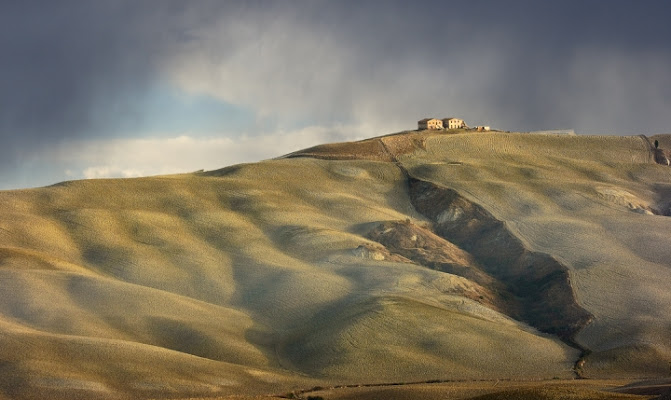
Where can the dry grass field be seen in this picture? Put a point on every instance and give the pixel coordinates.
(405, 258)
(586, 389)
(499, 390)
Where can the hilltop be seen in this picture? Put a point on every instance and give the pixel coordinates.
(409, 257)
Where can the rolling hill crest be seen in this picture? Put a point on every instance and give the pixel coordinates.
(408, 257)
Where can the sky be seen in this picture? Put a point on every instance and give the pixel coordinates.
(127, 88)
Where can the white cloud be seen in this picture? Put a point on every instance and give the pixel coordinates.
(125, 158)
(108, 171)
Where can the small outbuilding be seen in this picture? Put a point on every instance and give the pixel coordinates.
(430, 123)
(453, 123)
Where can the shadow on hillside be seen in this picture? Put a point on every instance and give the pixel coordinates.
(539, 282)
(663, 206)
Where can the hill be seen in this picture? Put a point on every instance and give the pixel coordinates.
(409, 257)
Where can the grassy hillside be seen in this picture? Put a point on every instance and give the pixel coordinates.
(265, 277)
(590, 203)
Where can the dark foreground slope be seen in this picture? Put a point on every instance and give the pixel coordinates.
(405, 258)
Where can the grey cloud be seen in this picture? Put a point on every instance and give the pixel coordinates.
(518, 65)
(72, 69)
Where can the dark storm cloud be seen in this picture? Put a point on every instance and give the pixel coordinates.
(65, 63)
(591, 65)
(596, 66)
(72, 69)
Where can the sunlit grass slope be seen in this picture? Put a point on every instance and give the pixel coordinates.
(261, 278)
(588, 201)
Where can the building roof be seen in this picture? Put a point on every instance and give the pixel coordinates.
(426, 119)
